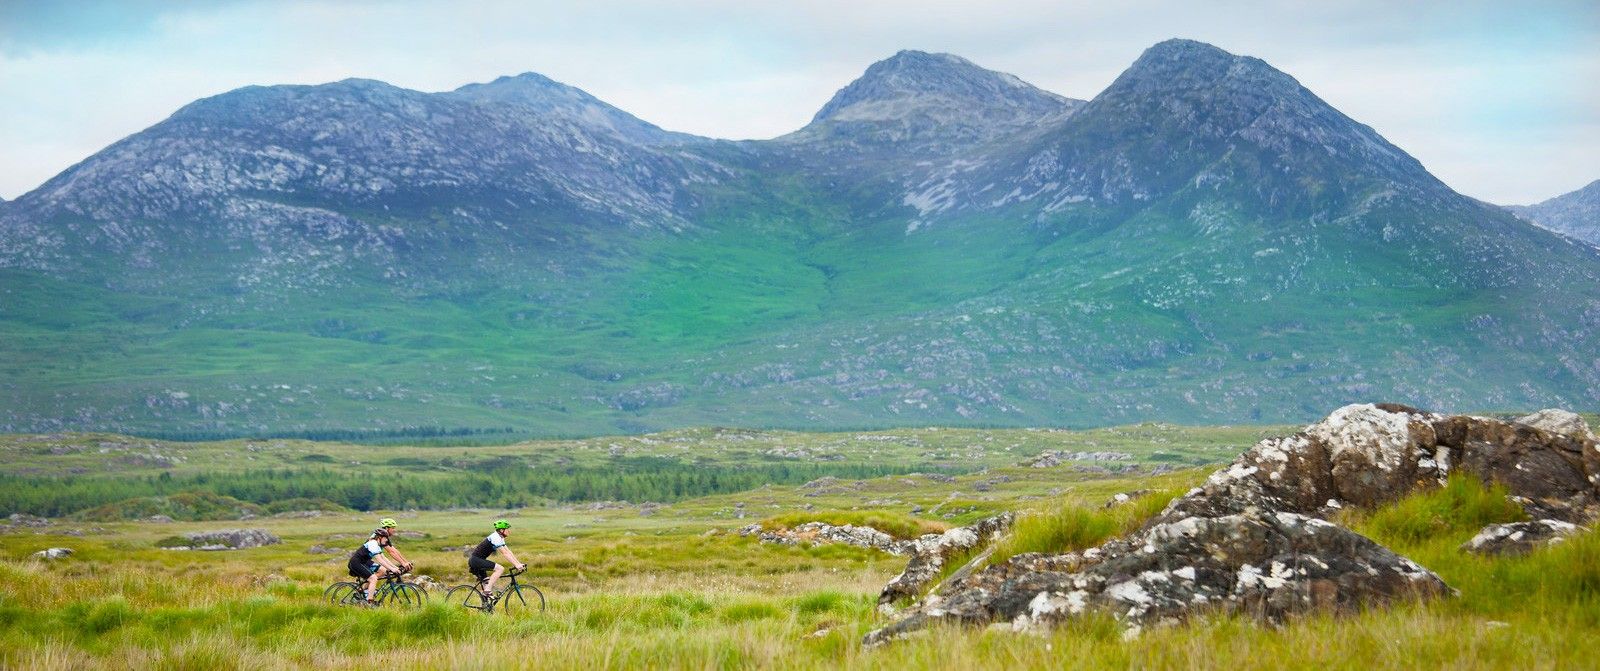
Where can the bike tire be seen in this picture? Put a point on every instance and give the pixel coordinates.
(339, 593)
(522, 599)
(466, 596)
(407, 596)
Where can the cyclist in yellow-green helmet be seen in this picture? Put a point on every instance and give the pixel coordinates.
(368, 562)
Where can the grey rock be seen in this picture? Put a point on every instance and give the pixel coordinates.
(53, 553)
(1124, 498)
(230, 539)
(930, 552)
(26, 520)
(1267, 565)
(1052, 458)
(812, 533)
(1518, 538)
(1564, 422)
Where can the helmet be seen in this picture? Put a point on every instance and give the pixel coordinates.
(387, 523)
(380, 532)
(502, 524)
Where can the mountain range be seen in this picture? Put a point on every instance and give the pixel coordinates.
(1205, 240)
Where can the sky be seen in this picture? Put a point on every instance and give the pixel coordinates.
(1501, 100)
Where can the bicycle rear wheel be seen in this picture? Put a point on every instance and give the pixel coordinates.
(466, 596)
(339, 593)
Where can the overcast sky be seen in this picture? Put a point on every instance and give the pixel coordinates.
(1500, 100)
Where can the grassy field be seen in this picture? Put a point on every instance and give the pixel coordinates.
(672, 586)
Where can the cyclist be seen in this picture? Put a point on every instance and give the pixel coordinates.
(487, 571)
(368, 561)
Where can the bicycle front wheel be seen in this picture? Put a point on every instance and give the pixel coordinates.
(407, 596)
(522, 599)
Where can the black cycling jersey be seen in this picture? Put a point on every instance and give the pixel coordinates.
(484, 549)
(364, 554)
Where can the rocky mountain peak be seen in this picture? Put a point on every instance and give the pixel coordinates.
(1575, 214)
(551, 98)
(916, 95)
(1190, 116)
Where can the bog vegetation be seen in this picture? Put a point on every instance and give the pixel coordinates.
(672, 586)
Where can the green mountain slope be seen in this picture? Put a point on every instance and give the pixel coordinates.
(1204, 241)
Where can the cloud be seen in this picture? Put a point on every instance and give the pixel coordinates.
(1497, 100)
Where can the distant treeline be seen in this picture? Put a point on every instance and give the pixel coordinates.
(342, 435)
(642, 479)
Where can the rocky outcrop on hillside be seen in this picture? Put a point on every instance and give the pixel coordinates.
(812, 533)
(227, 539)
(1052, 458)
(1254, 539)
(930, 552)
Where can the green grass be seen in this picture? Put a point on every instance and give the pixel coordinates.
(673, 587)
(1463, 505)
(1068, 526)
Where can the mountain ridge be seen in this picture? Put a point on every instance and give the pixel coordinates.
(1575, 214)
(1206, 240)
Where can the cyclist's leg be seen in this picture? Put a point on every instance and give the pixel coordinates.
(372, 581)
(363, 574)
(481, 569)
(499, 568)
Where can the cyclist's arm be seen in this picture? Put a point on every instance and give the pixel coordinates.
(398, 557)
(505, 550)
(386, 563)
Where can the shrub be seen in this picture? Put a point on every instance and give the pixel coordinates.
(183, 506)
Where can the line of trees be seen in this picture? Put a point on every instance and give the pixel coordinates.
(342, 435)
(509, 487)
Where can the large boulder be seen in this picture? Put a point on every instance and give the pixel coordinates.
(1368, 455)
(1254, 537)
(53, 553)
(229, 539)
(1518, 538)
(930, 552)
(1268, 565)
(1559, 421)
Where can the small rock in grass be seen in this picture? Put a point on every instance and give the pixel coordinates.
(1519, 538)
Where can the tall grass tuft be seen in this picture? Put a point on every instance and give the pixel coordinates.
(1462, 506)
(1067, 527)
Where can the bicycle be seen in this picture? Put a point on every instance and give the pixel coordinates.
(513, 598)
(391, 589)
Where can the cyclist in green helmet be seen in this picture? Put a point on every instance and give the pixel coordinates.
(478, 560)
(368, 561)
